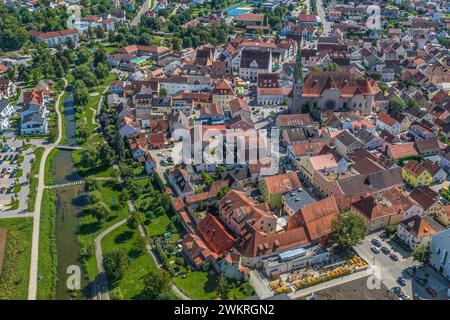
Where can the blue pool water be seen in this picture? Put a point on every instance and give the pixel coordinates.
(234, 10)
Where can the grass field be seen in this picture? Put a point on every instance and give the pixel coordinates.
(47, 263)
(132, 284)
(89, 228)
(16, 265)
(38, 152)
(200, 285)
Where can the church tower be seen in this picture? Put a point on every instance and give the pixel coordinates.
(295, 99)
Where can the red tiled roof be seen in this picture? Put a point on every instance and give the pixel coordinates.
(215, 235)
(316, 218)
(316, 82)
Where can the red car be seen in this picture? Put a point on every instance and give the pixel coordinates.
(393, 256)
(431, 292)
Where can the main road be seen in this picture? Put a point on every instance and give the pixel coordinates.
(32, 284)
(321, 12)
(148, 4)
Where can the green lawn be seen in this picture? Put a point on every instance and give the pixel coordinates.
(47, 263)
(34, 181)
(16, 267)
(102, 171)
(86, 115)
(89, 228)
(158, 226)
(132, 284)
(200, 285)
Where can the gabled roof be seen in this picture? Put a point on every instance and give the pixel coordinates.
(215, 235)
(282, 183)
(421, 226)
(316, 218)
(425, 197)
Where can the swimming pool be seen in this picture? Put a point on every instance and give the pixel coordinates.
(239, 8)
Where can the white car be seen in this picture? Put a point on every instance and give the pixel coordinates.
(9, 170)
(161, 154)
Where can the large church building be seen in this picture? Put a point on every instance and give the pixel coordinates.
(338, 91)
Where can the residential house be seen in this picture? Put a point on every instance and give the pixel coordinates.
(346, 143)
(273, 187)
(415, 174)
(428, 200)
(6, 111)
(417, 231)
(437, 173)
(223, 94)
(388, 123)
(236, 208)
(391, 207)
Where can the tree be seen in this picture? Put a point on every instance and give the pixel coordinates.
(90, 184)
(116, 294)
(89, 157)
(116, 263)
(101, 71)
(422, 254)
(135, 220)
(391, 229)
(349, 229)
(223, 192)
(80, 94)
(100, 211)
(162, 92)
(207, 179)
(94, 197)
(156, 282)
(100, 56)
(307, 107)
(222, 288)
(397, 103)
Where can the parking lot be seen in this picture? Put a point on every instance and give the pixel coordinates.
(390, 270)
(14, 171)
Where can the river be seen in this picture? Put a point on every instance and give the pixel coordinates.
(69, 205)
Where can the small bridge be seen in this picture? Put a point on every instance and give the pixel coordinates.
(65, 185)
(69, 148)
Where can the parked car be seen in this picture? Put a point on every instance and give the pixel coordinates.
(385, 250)
(411, 271)
(375, 249)
(431, 292)
(393, 256)
(376, 242)
(422, 282)
(9, 170)
(402, 281)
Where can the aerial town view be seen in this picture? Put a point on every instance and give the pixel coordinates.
(252, 150)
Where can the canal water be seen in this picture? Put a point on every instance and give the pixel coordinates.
(69, 205)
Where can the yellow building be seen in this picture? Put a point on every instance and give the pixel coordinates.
(416, 175)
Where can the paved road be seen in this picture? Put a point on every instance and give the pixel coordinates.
(145, 7)
(321, 12)
(32, 285)
(391, 270)
(102, 290)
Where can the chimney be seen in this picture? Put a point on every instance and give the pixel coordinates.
(213, 232)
